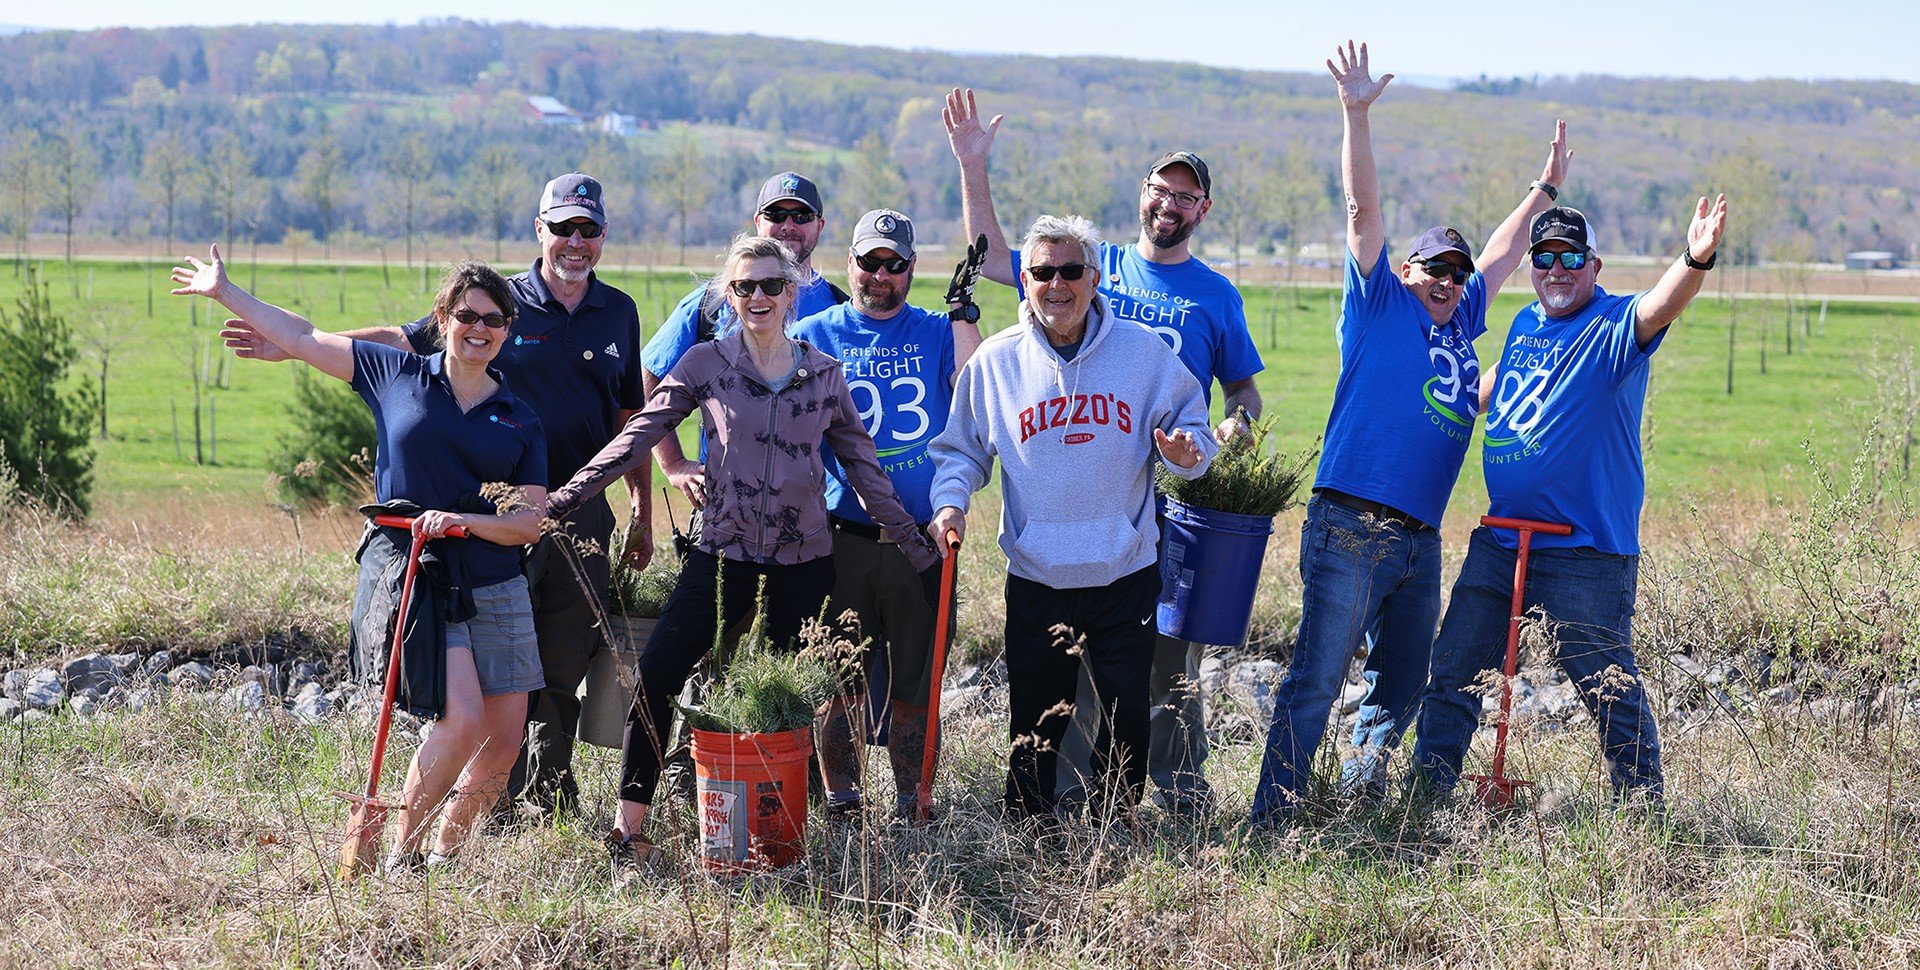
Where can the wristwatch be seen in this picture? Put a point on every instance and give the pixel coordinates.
(1553, 193)
(1686, 253)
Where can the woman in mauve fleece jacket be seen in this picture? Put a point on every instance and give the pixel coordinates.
(767, 402)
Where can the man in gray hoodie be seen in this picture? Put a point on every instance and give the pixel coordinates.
(1066, 401)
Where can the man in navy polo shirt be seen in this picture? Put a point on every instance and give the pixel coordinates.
(1403, 410)
(1158, 283)
(900, 362)
(1563, 445)
(789, 210)
(575, 358)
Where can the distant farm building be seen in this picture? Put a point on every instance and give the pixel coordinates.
(549, 111)
(615, 123)
(1871, 259)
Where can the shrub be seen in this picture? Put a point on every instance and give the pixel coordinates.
(44, 430)
(1244, 478)
(326, 453)
(642, 593)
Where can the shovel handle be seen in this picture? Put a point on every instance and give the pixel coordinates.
(942, 630)
(403, 522)
(1526, 525)
(1511, 669)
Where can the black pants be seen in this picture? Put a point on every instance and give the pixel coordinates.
(566, 622)
(686, 632)
(1113, 624)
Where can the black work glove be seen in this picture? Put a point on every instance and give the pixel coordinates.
(960, 305)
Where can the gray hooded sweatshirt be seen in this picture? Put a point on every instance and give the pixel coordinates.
(1075, 442)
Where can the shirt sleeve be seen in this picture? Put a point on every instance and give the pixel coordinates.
(962, 453)
(1367, 297)
(1236, 357)
(375, 367)
(1622, 339)
(420, 335)
(675, 337)
(672, 401)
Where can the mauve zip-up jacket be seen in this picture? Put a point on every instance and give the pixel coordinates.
(766, 489)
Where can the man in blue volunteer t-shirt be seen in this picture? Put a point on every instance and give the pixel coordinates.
(1562, 445)
(1160, 284)
(789, 210)
(900, 363)
(1403, 410)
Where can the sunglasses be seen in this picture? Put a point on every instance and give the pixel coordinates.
(1570, 260)
(874, 264)
(773, 286)
(587, 230)
(800, 217)
(494, 321)
(1070, 272)
(1183, 201)
(1443, 269)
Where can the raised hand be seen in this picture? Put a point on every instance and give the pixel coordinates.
(1703, 234)
(245, 341)
(971, 141)
(1559, 157)
(1358, 89)
(1178, 448)
(201, 279)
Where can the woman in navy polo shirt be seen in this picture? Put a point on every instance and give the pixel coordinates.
(447, 426)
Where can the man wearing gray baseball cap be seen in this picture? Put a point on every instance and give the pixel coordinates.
(900, 363)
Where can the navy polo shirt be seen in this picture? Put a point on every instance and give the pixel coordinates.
(578, 370)
(433, 454)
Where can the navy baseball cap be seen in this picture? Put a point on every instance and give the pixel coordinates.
(1190, 160)
(790, 187)
(883, 229)
(572, 195)
(1564, 223)
(1441, 239)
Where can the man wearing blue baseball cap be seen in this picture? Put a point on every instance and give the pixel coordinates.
(1403, 412)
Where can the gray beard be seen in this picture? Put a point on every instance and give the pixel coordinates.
(1557, 301)
(571, 276)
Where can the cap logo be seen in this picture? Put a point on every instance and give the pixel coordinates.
(884, 224)
(1453, 236)
(580, 189)
(790, 184)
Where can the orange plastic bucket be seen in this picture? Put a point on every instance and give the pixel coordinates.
(751, 796)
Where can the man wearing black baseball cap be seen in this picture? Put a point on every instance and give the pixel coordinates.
(1562, 445)
(575, 357)
(1403, 411)
(1159, 283)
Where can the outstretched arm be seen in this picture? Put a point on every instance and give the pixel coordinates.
(972, 142)
(1507, 246)
(1366, 233)
(331, 353)
(1677, 287)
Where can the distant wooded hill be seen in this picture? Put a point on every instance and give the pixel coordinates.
(299, 134)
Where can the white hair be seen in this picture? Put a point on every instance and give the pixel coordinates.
(1063, 229)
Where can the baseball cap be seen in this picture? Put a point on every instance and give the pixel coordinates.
(571, 195)
(789, 186)
(1190, 160)
(1441, 239)
(883, 229)
(1563, 223)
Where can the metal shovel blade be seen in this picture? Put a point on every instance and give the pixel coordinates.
(1497, 793)
(361, 848)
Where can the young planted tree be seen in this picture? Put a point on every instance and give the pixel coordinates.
(682, 181)
(227, 182)
(322, 173)
(409, 164)
(872, 180)
(494, 182)
(164, 173)
(23, 176)
(74, 168)
(45, 416)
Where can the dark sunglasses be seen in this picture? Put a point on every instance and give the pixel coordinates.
(1571, 260)
(773, 286)
(1069, 272)
(800, 217)
(874, 264)
(494, 321)
(1444, 269)
(587, 230)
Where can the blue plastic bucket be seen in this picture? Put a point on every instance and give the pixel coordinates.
(1209, 567)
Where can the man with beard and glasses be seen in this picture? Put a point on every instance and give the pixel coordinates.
(575, 358)
(1562, 445)
(900, 363)
(1403, 411)
(1158, 283)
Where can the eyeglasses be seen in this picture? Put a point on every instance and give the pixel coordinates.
(1446, 269)
(1070, 272)
(772, 286)
(1183, 201)
(874, 264)
(494, 321)
(800, 217)
(1570, 259)
(587, 230)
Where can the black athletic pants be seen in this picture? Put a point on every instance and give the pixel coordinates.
(1114, 625)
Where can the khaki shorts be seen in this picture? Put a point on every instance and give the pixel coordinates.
(875, 580)
(500, 635)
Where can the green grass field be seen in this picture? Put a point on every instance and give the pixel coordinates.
(1701, 442)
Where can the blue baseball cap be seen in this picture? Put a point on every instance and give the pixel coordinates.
(1441, 239)
(571, 195)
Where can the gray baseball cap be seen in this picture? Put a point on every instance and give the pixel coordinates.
(571, 195)
(883, 229)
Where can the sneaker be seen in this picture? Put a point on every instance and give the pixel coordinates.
(844, 815)
(403, 865)
(630, 855)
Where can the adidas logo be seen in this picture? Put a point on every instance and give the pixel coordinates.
(613, 351)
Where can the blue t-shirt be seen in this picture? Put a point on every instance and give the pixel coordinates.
(1194, 309)
(1404, 407)
(434, 455)
(1563, 432)
(901, 374)
(577, 370)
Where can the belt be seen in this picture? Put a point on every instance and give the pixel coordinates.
(1372, 508)
(865, 530)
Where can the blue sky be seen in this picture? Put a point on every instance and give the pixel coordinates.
(1431, 39)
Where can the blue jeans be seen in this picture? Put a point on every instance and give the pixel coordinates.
(1589, 597)
(1360, 575)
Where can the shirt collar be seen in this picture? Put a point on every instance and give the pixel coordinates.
(537, 283)
(436, 366)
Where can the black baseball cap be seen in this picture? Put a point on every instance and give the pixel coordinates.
(1190, 160)
(572, 195)
(1441, 239)
(1563, 223)
(790, 187)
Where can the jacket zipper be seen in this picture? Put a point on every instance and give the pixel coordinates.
(766, 476)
